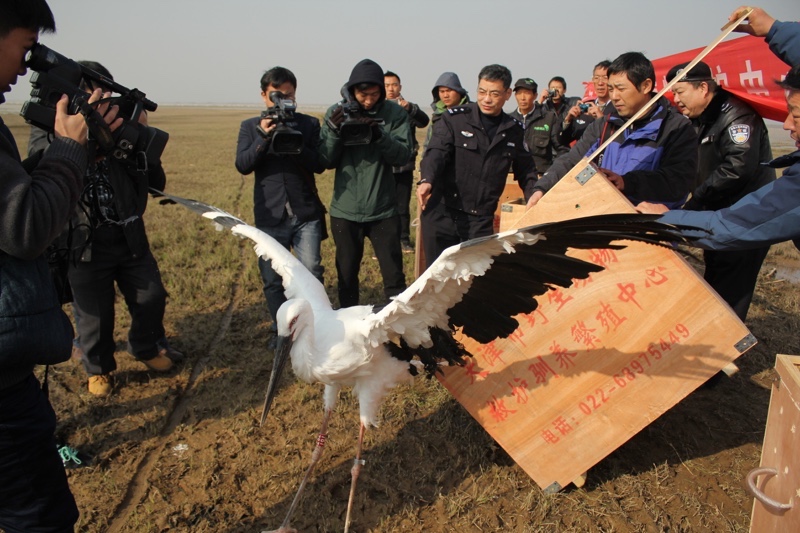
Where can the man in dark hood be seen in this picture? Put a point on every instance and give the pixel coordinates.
(363, 137)
(447, 93)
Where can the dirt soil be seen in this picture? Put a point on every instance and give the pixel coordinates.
(184, 451)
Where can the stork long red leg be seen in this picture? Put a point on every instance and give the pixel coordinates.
(315, 457)
(357, 464)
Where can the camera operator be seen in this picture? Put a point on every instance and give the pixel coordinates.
(555, 99)
(36, 199)
(584, 113)
(363, 137)
(286, 202)
(106, 243)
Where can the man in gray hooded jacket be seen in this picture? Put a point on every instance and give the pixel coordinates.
(447, 93)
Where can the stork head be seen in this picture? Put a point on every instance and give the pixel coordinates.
(293, 317)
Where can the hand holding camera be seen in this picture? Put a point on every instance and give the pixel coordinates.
(335, 120)
(349, 122)
(56, 76)
(75, 127)
(374, 125)
(275, 126)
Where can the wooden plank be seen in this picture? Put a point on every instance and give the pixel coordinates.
(511, 193)
(781, 442)
(598, 362)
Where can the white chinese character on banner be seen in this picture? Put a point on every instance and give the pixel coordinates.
(721, 77)
(755, 79)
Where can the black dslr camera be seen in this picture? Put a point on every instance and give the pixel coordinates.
(285, 140)
(353, 130)
(55, 75)
(551, 93)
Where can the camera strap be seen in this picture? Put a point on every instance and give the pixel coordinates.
(98, 129)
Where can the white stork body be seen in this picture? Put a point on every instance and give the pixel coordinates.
(332, 349)
(479, 286)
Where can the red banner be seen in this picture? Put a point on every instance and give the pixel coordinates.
(744, 66)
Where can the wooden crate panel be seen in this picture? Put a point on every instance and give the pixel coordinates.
(511, 193)
(597, 362)
(781, 444)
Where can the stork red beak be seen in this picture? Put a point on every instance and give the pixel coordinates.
(282, 350)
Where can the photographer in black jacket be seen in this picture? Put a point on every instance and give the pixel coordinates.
(285, 200)
(106, 244)
(36, 199)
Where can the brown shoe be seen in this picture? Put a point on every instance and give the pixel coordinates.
(159, 363)
(170, 352)
(100, 385)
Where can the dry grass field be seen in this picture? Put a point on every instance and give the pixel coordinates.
(184, 451)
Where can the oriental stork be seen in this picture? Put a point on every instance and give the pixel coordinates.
(478, 285)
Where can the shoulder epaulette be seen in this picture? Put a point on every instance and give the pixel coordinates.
(519, 122)
(458, 110)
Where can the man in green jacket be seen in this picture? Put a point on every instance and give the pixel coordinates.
(363, 137)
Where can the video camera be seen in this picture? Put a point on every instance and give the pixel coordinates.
(55, 75)
(285, 140)
(353, 130)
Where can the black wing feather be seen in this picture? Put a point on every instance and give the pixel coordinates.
(511, 285)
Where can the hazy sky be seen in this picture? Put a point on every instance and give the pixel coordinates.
(214, 51)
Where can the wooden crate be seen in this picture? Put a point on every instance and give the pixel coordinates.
(510, 212)
(776, 483)
(598, 362)
(511, 193)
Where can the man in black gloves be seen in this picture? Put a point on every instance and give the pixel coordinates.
(363, 137)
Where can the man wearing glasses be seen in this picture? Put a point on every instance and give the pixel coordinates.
(465, 165)
(582, 114)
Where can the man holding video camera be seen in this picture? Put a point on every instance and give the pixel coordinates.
(106, 243)
(363, 137)
(280, 146)
(36, 199)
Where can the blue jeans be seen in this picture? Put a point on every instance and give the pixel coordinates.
(303, 238)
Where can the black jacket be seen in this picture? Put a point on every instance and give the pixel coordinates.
(130, 187)
(541, 136)
(734, 144)
(418, 119)
(467, 169)
(566, 104)
(281, 178)
(574, 130)
(33, 208)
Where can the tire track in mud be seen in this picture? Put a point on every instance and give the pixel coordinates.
(137, 488)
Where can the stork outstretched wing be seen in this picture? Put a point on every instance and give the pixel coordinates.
(479, 285)
(483, 283)
(298, 282)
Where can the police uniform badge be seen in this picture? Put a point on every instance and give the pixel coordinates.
(740, 133)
